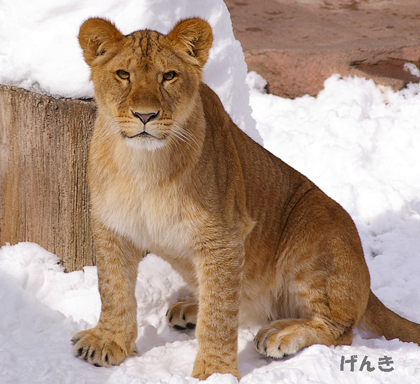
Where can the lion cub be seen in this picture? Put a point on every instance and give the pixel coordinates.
(255, 240)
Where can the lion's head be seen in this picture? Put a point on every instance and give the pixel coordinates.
(146, 83)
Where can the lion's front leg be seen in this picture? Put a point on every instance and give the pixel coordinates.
(113, 339)
(219, 273)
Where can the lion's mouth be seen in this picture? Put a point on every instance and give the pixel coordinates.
(142, 134)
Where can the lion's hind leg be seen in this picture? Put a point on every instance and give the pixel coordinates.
(183, 315)
(288, 336)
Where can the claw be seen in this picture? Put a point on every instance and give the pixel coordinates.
(190, 325)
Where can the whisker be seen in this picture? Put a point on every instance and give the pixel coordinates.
(185, 135)
(182, 136)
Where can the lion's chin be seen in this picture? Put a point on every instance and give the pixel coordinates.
(145, 143)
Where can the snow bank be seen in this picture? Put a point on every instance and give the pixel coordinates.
(358, 144)
(39, 50)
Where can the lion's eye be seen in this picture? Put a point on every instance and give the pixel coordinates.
(124, 75)
(169, 76)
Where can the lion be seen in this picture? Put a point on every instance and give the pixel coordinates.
(254, 240)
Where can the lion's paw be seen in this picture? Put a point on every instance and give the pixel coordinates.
(100, 349)
(287, 336)
(278, 340)
(207, 365)
(183, 315)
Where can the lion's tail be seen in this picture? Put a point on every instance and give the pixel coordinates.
(381, 321)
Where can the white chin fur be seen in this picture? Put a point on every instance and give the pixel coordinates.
(145, 144)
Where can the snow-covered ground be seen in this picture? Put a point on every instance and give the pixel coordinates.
(360, 144)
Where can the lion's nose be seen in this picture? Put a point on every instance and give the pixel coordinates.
(145, 117)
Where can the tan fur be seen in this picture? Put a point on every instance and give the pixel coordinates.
(255, 240)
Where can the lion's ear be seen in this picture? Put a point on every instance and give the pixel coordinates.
(194, 36)
(100, 40)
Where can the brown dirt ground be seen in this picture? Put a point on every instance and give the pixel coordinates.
(296, 44)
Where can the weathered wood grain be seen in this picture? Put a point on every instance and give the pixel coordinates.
(43, 189)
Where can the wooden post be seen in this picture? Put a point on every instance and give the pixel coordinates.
(43, 190)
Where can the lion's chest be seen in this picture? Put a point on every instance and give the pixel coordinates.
(154, 218)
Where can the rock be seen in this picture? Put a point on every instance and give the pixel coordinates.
(297, 44)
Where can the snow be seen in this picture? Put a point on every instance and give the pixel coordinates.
(358, 142)
(39, 50)
(410, 67)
